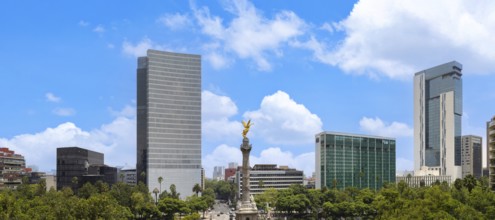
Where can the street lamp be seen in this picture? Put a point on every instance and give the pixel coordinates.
(156, 191)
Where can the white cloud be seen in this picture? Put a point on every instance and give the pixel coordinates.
(99, 29)
(398, 38)
(216, 111)
(128, 111)
(217, 60)
(224, 154)
(250, 35)
(52, 97)
(116, 140)
(327, 27)
(83, 23)
(280, 120)
(175, 21)
(64, 111)
(140, 48)
(110, 46)
(377, 127)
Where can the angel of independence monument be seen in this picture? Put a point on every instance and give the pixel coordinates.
(246, 208)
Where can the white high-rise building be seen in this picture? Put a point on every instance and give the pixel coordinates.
(169, 120)
(218, 173)
(437, 120)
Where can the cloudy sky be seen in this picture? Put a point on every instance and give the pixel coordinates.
(68, 71)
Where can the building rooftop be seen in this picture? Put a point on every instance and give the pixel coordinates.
(353, 135)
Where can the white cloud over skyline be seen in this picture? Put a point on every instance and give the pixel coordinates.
(216, 112)
(396, 39)
(139, 49)
(376, 126)
(281, 120)
(249, 34)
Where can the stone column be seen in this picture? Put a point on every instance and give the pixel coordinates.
(246, 149)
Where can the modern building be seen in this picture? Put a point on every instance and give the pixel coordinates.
(218, 173)
(266, 176)
(128, 176)
(490, 151)
(169, 120)
(423, 180)
(77, 166)
(352, 160)
(437, 119)
(12, 168)
(471, 158)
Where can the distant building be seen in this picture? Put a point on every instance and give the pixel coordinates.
(128, 176)
(437, 119)
(218, 173)
(169, 120)
(418, 181)
(471, 158)
(76, 166)
(265, 176)
(229, 172)
(351, 160)
(490, 151)
(12, 168)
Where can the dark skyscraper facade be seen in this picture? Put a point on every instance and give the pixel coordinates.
(169, 120)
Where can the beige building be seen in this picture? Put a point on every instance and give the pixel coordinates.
(490, 151)
(471, 158)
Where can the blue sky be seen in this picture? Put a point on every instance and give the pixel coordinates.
(295, 68)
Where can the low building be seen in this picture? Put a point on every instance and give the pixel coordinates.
(352, 160)
(230, 172)
(418, 181)
(76, 166)
(265, 176)
(128, 176)
(12, 168)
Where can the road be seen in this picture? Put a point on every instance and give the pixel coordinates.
(220, 211)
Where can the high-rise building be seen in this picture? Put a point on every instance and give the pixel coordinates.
(490, 151)
(233, 165)
(169, 120)
(471, 158)
(269, 176)
(350, 160)
(437, 120)
(218, 173)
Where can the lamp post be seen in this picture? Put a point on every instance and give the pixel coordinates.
(156, 191)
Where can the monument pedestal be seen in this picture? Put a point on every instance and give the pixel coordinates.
(246, 208)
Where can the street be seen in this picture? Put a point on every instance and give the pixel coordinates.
(220, 211)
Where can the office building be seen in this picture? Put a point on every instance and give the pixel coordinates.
(351, 160)
(169, 120)
(128, 176)
(12, 168)
(471, 159)
(218, 173)
(490, 151)
(77, 166)
(266, 176)
(437, 120)
(233, 165)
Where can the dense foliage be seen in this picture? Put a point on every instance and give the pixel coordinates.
(99, 201)
(465, 199)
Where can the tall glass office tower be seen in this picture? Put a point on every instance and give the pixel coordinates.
(169, 120)
(437, 120)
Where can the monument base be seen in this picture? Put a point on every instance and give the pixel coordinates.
(247, 211)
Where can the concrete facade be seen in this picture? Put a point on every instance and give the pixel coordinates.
(437, 119)
(169, 120)
(471, 156)
(490, 144)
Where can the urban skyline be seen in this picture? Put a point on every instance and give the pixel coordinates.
(79, 86)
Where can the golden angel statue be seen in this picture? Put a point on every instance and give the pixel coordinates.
(246, 127)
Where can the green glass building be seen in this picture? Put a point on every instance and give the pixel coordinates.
(351, 160)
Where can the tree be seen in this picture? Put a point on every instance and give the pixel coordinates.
(75, 183)
(160, 180)
(470, 182)
(171, 206)
(458, 184)
(173, 192)
(122, 177)
(196, 189)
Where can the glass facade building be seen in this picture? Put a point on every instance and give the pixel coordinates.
(169, 120)
(437, 119)
(350, 160)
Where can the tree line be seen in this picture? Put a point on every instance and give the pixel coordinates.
(466, 198)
